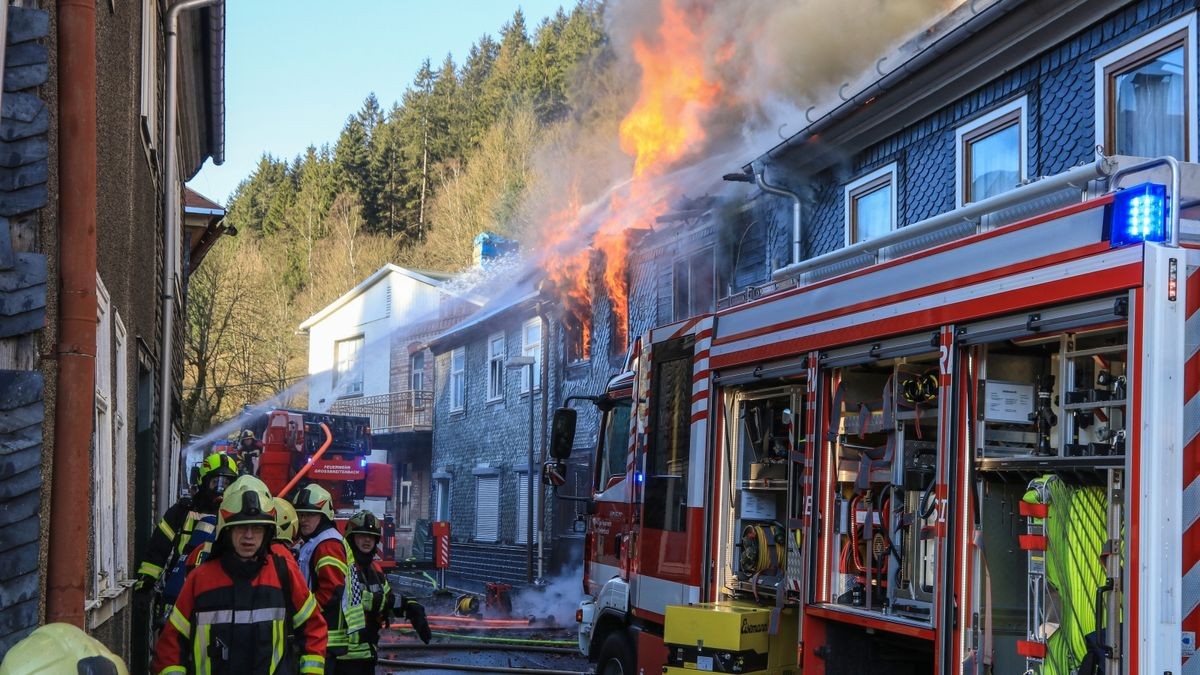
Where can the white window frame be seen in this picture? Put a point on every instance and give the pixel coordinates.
(1161, 34)
(441, 500)
(352, 374)
(522, 517)
(967, 132)
(149, 75)
(416, 372)
(532, 348)
(487, 525)
(458, 379)
(495, 366)
(109, 511)
(404, 503)
(852, 189)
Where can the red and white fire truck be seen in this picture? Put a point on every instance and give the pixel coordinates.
(967, 446)
(290, 440)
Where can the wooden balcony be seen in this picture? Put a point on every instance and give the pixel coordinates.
(392, 413)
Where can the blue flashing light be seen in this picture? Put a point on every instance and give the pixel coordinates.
(638, 477)
(1139, 214)
(362, 463)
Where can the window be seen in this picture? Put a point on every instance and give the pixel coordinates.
(404, 518)
(669, 457)
(441, 499)
(577, 336)
(416, 377)
(416, 371)
(1145, 94)
(990, 153)
(531, 345)
(110, 463)
(495, 389)
(487, 508)
(871, 205)
(348, 372)
(523, 508)
(614, 453)
(694, 280)
(458, 379)
(149, 94)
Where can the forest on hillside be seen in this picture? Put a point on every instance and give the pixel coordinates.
(412, 184)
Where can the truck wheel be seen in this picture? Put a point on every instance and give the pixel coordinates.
(616, 655)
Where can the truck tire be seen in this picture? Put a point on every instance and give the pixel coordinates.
(616, 655)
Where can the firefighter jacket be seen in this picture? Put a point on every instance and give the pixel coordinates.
(236, 617)
(376, 601)
(183, 528)
(323, 560)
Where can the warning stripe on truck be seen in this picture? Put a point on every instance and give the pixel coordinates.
(1191, 472)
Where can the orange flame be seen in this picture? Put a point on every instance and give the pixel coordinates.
(665, 126)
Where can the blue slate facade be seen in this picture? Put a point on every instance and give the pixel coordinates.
(24, 172)
(1058, 84)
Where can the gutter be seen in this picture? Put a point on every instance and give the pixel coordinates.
(172, 213)
(71, 468)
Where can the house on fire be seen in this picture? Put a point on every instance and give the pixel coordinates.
(93, 152)
(680, 266)
(988, 97)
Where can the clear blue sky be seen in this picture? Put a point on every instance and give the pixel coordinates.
(295, 69)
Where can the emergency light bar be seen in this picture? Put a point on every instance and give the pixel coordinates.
(1139, 215)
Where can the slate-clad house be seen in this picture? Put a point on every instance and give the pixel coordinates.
(991, 95)
(83, 477)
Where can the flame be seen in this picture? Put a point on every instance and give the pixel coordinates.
(667, 121)
(664, 127)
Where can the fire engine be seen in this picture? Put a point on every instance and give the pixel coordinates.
(290, 440)
(965, 446)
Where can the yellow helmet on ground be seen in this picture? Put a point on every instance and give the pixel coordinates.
(61, 649)
(314, 499)
(285, 521)
(247, 502)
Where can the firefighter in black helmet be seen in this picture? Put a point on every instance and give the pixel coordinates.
(190, 523)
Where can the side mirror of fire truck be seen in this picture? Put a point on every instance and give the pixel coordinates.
(562, 435)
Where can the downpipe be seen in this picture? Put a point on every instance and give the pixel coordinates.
(71, 470)
(171, 244)
(797, 232)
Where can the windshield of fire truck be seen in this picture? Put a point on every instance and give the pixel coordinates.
(614, 448)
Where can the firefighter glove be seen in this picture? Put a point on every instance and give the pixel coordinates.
(415, 613)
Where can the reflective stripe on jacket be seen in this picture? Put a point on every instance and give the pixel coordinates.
(221, 625)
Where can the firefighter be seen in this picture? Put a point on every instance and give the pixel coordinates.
(285, 526)
(249, 448)
(187, 525)
(61, 649)
(238, 610)
(364, 534)
(324, 559)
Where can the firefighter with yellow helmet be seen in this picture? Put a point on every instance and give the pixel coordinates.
(324, 560)
(61, 649)
(286, 525)
(238, 610)
(189, 524)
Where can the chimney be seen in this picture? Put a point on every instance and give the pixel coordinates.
(491, 247)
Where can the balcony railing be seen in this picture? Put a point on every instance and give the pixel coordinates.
(391, 413)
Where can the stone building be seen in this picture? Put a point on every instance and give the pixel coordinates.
(83, 175)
